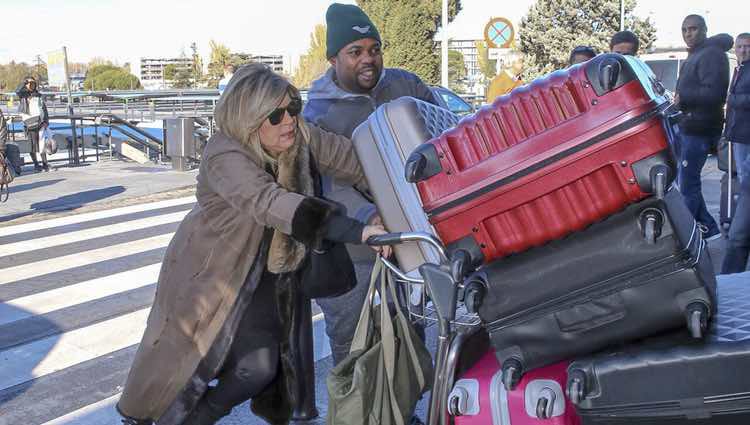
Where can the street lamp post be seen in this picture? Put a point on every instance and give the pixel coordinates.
(622, 15)
(444, 47)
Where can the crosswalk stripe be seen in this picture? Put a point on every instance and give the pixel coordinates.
(102, 222)
(26, 271)
(75, 294)
(79, 218)
(45, 302)
(82, 235)
(47, 355)
(101, 413)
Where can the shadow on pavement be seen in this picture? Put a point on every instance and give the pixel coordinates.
(77, 200)
(29, 186)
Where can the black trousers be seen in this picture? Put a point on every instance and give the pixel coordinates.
(33, 136)
(253, 360)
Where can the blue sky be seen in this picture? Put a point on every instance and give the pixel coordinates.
(124, 30)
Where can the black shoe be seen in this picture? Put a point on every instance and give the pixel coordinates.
(37, 167)
(133, 421)
(46, 168)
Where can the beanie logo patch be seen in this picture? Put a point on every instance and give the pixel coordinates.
(361, 30)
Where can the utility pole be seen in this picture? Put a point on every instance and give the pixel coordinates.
(622, 15)
(444, 47)
(39, 68)
(70, 107)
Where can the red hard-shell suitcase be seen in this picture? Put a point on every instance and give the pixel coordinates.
(479, 397)
(548, 159)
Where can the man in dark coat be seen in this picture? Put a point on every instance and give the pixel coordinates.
(701, 94)
(340, 100)
(737, 131)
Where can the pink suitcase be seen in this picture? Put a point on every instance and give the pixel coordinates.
(479, 397)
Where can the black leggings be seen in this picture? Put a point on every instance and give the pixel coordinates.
(253, 359)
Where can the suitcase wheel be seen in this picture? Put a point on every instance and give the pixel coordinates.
(458, 402)
(576, 388)
(545, 406)
(512, 372)
(652, 221)
(473, 296)
(697, 319)
(659, 175)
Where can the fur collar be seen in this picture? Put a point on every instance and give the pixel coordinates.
(293, 174)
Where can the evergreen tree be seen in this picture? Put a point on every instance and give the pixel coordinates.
(13, 73)
(220, 56)
(110, 77)
(197, 69)
(313, 63)
(552, 28)
(407, 28)
(456, 71)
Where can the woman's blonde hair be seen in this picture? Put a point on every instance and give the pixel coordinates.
(251, 95)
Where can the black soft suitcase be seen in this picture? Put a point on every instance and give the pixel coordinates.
(673, 380)
(14, 156)
(641, 271)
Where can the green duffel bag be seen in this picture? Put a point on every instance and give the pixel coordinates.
(388, 367)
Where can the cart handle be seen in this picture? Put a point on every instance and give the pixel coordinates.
(402, 237)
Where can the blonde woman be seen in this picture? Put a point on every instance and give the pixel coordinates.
(226, 290)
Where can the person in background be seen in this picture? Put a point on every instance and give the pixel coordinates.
(625, 43)
(344, 97)
(581, 54)
(3, 133)
(228, 288)
(737, 131)
(700, 95)
(228, 73)
(35, 119)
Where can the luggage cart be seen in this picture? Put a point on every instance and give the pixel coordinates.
(439, 297)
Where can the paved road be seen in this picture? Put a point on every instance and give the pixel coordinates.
(76, 292)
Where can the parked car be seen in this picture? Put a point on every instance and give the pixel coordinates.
(446, 98)
(451, 101)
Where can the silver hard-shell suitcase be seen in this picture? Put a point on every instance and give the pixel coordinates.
(383, 143)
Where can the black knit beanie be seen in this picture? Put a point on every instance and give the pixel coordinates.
(347, 23)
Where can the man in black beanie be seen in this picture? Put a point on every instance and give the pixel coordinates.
(340, 100)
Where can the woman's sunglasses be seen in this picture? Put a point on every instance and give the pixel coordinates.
(293, 109)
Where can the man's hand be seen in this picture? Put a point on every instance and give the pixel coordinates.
(376, 220)
(374, 230)
(677, 99)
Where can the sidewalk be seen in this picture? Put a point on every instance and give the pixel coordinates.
(93, 185)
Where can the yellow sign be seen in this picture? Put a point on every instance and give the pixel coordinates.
(56, 69)
(499, 33)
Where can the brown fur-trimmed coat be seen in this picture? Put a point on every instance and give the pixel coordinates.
(200, 293)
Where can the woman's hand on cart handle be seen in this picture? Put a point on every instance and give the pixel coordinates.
(379, 239)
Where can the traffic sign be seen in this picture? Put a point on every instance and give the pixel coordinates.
(499, 33)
